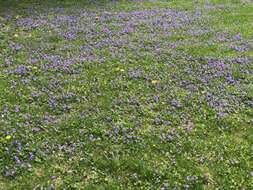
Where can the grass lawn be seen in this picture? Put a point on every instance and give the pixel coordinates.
(145, 95)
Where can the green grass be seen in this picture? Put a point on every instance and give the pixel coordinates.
(101, 122)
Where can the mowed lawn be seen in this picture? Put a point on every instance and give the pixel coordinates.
(118, 95)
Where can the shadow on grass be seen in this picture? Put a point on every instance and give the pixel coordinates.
(7, 5)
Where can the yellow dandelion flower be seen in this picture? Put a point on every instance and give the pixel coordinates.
(32, 67)
(8, 137)
(15, 35)
(154, 81)
(119, 69)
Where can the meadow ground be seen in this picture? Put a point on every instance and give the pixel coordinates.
(126, 94)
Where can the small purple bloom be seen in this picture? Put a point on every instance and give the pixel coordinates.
(19, 148)
(17, 159)
(238, 37)
(175, 103)
(239, 48)
(106, 30)
(31, 156)
(34, 60)
(17, 109)
(53, 177)
(21, 70)
(5, 110)
(165, 186)
(230, 78)
(156, 98)
(169, 138)
(18, 47)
